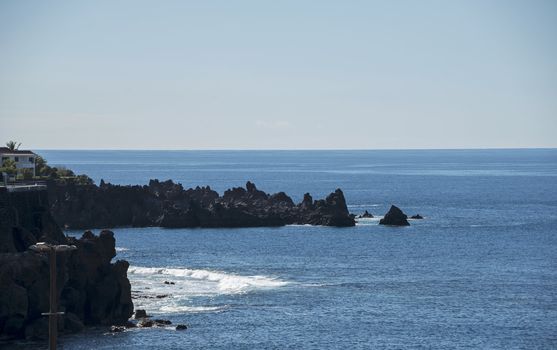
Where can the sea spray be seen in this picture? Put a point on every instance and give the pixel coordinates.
(182, 284)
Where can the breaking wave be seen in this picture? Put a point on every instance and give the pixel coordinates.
(365, 206)
(177, 290)
(368, 221)
(192, 309)
(225, 282)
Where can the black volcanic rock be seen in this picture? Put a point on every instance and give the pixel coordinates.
(331, 211)
(281, 199)
(366, 214)
(91, 289)
(161, 322)
(416, 217)
(395, 217)
(307, 202)
(166, 204)
(140, 313)
(145, 323)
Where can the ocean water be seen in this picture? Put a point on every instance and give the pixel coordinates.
(479, 272)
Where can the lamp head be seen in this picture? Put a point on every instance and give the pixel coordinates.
(41, 247)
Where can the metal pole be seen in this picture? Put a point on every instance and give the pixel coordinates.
(42, 247)
(52, 319)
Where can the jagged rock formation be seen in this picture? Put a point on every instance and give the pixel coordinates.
(92, 291)
(167, 204)
(395, 217)
(366, 214)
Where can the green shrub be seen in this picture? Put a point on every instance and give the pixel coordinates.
(83, 180)
(27, 174)
(8, 167)
(64, 172)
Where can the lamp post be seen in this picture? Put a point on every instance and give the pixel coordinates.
(52, 249)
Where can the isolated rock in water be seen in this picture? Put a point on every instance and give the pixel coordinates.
(140, 313)
(395, 217)
(416, 217)
(181, 327)
(366, 214)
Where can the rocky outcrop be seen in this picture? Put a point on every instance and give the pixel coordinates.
(97, 291)
(91, 289)
(365, 215)
(394, 217)
(417, 217)
(167, 204)
(331, 211)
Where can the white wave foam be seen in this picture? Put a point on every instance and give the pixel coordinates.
(192, 309)
(226, 283)
(362, 205)
(175, 290)
(121, 249)
(368, 221)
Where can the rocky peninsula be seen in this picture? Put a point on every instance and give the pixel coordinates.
(91, 289)
(168, 204)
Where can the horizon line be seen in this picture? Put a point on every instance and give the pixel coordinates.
(298, 149)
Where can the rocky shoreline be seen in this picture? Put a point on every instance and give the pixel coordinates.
(168, 204)
(91, 289)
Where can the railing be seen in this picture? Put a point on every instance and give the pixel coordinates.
(23, 182)
(23, 185)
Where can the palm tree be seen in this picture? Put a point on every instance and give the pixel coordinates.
(13, 145)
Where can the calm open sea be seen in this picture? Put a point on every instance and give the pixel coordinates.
(480, 272)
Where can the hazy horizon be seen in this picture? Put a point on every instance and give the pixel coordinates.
(291, 149)
(251, 75)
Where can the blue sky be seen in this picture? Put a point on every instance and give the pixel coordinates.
(278, 74)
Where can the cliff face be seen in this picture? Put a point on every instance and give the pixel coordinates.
(25, 219)
(91, 289)
(167, 204)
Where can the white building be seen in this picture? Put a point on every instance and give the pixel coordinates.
(22, 159)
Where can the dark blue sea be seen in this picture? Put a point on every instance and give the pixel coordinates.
(479, 272)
